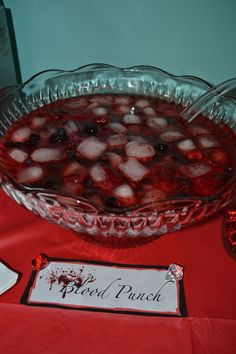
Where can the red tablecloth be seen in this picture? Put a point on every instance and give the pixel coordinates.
(209, 283)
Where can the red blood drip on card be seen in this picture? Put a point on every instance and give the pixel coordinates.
(40, 261)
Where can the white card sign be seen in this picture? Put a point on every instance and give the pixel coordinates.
(106, 287)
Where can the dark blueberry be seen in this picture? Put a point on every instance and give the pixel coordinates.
(91, 129)
(34, 140)
(161, 147)
(111, 202)
(11, 144)
(60, 136)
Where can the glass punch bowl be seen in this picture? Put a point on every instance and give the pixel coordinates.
(140, 224)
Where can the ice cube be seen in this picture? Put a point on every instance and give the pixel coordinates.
(113, 158)
(124, 191)
(142, 103)
(74, 168)
(149, 111)
(186, 145)
(100, 111)
(117, 140)
(159, 124)
(139, 150)
(18, 155)
(70, 126)
(21, 135)
(38, 122)
(131, 119)
(117, 128)
(121, 109)
(138, 138)
(46, 154)
(97, 173)
(207, 141)
(125, 195)
(193, 170)
(91, 148)
(171, 136)
(30, 174)
(198, 129)
(133, 169)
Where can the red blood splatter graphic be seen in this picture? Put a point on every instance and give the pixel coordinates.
(64, 277)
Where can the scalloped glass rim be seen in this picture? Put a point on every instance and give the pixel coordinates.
(80, 203)
(99, 66)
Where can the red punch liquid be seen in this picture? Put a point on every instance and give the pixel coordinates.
(119, 152)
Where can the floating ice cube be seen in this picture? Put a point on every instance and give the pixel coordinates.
(186, 145)
(131, 119)
(91, 148)
(149, 111)
(125, 195)
(157, 123)
(194, 170)
(38, 122)
(18, 155)
(171, 136)
(122, 109)
(198, 129)
(117, 140)
(117, 128)
(46, 154)
(74, 168)
(123, 191)
(21, 134)
(142, 103)
(133, 169)
(100, 111)
(207, 141)
(97, 173)
(139, 150)
(30, 174)
(70, 126)
(113, 158)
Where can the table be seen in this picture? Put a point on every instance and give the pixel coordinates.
(209, 283)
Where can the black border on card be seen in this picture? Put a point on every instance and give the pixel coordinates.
(182, 300)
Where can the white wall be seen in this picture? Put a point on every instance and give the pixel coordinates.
(196, 37)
